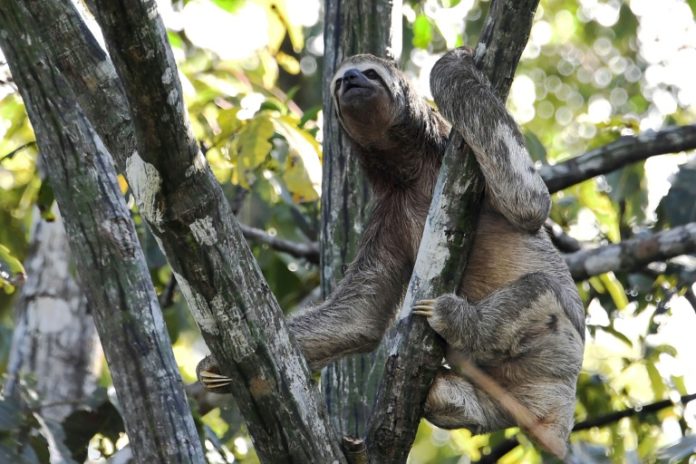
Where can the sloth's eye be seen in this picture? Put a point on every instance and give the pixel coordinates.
(371, 74)
(339, 81)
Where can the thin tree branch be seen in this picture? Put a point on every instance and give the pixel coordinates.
(633, 253)
(508, 445)
(575, 256)
(625, 150)
(414, 352)
(308, 251)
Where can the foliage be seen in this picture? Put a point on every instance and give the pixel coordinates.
(582, 83)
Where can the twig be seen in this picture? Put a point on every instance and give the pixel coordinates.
(308, 250)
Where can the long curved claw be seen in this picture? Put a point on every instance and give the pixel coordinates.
(423, 308)
(213, 381)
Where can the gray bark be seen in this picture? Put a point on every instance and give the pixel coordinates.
(625, 150)
(54, 340)
(634, 253)
(186, 210)
(414, 353)
(109, 260)
(350, 27)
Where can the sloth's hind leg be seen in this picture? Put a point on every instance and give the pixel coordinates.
(453, 402)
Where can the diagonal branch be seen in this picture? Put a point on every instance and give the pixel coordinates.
(625, 150)
(633, 253)
(414, 352)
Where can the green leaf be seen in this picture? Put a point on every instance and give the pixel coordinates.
(82, 425)
(536, 149)
(45, 201)
(422, 32)
(692, 5)
(252, 145)
(658, 384)
(229, 5)
(615, 289)
(11, 270)
(302, 173)
(611, 330)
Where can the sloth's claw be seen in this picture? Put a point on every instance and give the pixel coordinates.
(423, 308)
(212, 380)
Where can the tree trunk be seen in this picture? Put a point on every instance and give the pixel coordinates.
(109, 260)
(54, 339)
(186, 211)
(350, 27)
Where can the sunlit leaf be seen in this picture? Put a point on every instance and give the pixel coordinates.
(11, 270)
(601, 206)
(229, 5)
(656, 381)
(422, 32)
(45, 201)
(615, 289)
(302, 173)
(619, 335)
(288, 62)
(251, 146)
(295, 31)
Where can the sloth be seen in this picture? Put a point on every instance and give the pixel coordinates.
(516, 314)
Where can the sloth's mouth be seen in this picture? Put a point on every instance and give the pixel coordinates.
(356, 89)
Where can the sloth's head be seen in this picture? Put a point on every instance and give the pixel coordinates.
(368, 93)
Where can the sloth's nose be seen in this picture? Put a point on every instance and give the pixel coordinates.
(351, 75)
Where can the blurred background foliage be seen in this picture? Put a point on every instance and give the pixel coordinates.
(593, 70)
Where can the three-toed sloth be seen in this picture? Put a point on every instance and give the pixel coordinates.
(516, 314)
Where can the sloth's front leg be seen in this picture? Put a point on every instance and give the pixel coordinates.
(447, 316)
(209, 375)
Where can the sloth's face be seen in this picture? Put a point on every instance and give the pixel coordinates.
(364, 92)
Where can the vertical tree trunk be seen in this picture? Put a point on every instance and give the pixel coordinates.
(107, 253)
(54, 339)
(351, 27)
